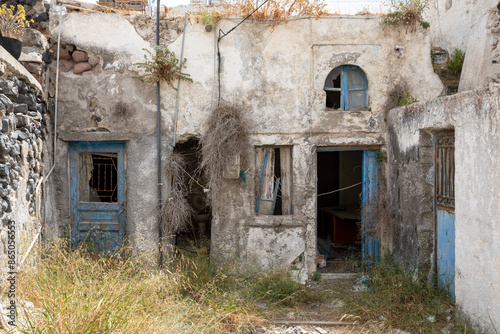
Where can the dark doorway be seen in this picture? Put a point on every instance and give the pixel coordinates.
(199, 232)
(339, 188)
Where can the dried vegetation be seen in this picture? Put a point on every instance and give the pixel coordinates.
(226, 137)
(176, 211)
(399, 96)
(278, 10)
(77, 291)
(408, 13)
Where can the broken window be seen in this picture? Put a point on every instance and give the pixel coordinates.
(274, 168)
(346, 88)
(98, 177)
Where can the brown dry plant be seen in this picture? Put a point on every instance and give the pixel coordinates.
(278, 11)
(226, 137)
(176, 211)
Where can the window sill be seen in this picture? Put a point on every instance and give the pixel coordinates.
(275, 221)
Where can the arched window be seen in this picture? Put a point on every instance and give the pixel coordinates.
(346, 88)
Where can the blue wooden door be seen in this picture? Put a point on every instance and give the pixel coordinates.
(370, 243)
(97, 190)
(445, 210)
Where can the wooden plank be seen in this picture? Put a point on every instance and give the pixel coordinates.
(267, 191)
(286, 180)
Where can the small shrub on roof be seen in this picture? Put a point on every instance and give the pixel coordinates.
(407, 12)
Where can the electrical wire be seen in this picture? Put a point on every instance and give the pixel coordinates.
(224, 34)
(334, 191)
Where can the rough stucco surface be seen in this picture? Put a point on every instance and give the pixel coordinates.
(476, 119)
(482, 58)
(278, 74)
(453, 22)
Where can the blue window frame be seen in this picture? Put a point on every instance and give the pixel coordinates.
(346, 88)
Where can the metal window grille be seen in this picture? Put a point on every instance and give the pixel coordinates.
(98, 177)
(445, 169)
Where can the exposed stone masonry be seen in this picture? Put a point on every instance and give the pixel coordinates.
(22, 112)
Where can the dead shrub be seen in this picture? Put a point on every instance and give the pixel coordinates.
(278, 10)
(408, 13)
(226, 137)
(176, 211)
(399, 96)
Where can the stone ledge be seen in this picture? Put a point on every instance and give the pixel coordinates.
(13, 67)
(94, 136)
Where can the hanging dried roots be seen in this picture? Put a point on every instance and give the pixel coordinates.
(176, 211)
(226, 137)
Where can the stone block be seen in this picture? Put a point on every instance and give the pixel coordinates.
(31, 57)
(65, 66)
(80, 56)
(28, 99)
(21, 108)
(21, 135)
(9, 106)
(34, 68)
(6, 125)
(63, 53)
(9, 88)
(94, 60)
(81, 67)
(22, 120)
(4, 170)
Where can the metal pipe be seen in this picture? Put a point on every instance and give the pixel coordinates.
(37, 188)
(179, 81)
(56, 94)
(158, 140)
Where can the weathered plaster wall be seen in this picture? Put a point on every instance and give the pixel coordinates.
(279, 74)
(476, 119)
(453, 22)
(22, 147)
(482, 57)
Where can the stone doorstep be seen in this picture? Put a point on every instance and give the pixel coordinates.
(338, 275)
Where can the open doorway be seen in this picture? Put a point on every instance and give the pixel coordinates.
(339, 214)
(199, 231)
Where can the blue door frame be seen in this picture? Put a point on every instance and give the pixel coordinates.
(96, 219)
(444, 144)
(370, 243)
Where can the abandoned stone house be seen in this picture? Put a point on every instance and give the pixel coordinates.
(329, 160)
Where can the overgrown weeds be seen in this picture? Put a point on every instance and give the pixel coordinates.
(407, 12)
(396, 300)
(399, 96)
(76, 291)
(162, 65)
(456, 61)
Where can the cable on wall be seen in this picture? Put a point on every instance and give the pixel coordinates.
(223, 34)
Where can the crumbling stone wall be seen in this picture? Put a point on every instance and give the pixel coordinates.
(413, 220)
(475, 118)
(22, 143)
(279, 73)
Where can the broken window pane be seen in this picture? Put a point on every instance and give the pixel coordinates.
(333, 79)
(98, 179)
(333, 100)
(274, 193)
(357, 99)
(356, 78)
(346, 88)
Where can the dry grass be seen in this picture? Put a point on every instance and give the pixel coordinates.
(77, 291)
(226, 137)
(176, 211)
